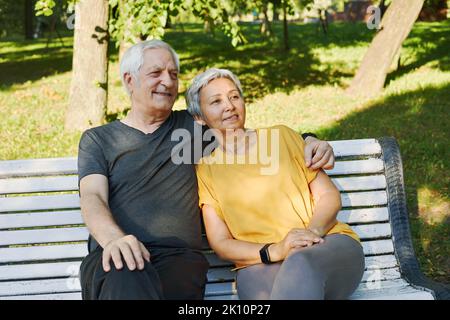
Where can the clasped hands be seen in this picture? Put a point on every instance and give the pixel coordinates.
(295, 239)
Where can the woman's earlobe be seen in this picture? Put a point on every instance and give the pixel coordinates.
(199, 121)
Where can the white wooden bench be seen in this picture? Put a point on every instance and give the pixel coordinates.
(43, 239)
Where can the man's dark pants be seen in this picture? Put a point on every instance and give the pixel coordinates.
(172, 273)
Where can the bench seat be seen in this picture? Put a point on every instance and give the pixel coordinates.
(43, 239)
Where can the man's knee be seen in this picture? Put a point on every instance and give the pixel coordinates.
(125, 284)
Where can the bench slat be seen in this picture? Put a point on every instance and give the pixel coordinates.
(53, 202)
(219, 271)
(405, 292)
(73, 217)
(214, 276)
(395, 285)
(364, 215)
(381, 262)
(55, 296)
(39, 270)
(72, 201)
(357, 147)
(37, 167)
(40, 219)
(74, 234)
(360, 183)
(47, 184)
(373, 231)
(360, 199)
(356, 167)
(70, 183)
(36, 253)
(43, 236)
(72, 251)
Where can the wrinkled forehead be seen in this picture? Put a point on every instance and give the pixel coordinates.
(158, 58)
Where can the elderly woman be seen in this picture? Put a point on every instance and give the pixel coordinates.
(278, 226)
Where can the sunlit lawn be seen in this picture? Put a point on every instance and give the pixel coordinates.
(303, 89)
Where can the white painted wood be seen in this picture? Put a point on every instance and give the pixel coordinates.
(360, 183)
(225, 297)
(372, 165)
(380, 262)
(39, 270)
(366, 215)
(46, 184)
(217, 289)
(389, 290)
(67, 269)
(375, 247)
(373, 231)
(37, 167)
(37, 253)
(53, 202)
(56, 296)
(11, 288)
(404, 293)
(40, 219)
(43, 236)
(73, 217)
(374, 276)
(365, 232)
(355, 147)
(360, 199)
(371, 275)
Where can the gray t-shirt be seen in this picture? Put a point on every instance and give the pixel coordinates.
(150, 196)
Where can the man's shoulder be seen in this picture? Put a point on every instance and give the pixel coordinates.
(102, 130)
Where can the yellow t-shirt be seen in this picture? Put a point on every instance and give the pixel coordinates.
(262, 200)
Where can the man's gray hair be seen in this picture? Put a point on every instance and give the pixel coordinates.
(200, 81)
(133, 58)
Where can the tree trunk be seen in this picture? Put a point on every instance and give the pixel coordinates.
(275, 11)
(89, 86)
(266, 29)
(29, 13)
(285, 28)
(395, 27)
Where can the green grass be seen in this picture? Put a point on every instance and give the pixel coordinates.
(304, 89)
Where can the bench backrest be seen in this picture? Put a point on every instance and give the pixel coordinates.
(43, 239)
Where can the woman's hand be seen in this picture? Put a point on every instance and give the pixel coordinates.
(318, 154)
(296, 238)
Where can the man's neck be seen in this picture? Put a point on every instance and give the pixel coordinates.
(147, 123)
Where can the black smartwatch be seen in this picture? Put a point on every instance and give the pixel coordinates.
(264, 254)
(308, 134)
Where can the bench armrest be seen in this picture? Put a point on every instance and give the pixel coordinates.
(399, 217)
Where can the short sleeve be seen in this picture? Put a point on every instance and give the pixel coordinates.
(296, 146)
(206, 194)
(91, 159)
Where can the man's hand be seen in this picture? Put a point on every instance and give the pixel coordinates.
(318, 154)
(130, 249)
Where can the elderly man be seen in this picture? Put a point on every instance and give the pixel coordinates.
(141, 208)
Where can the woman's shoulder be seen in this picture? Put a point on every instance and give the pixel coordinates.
(284, 131)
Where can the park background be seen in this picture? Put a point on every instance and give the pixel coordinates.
(296, 60)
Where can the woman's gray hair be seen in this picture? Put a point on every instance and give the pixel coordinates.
(133, 58)
(200, 81)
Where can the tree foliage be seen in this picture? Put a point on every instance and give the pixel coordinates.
(142, 19)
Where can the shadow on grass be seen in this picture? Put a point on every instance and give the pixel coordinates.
(419, 122)
(430, 42)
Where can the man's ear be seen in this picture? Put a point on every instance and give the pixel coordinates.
(199, 120)
(129, 81)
